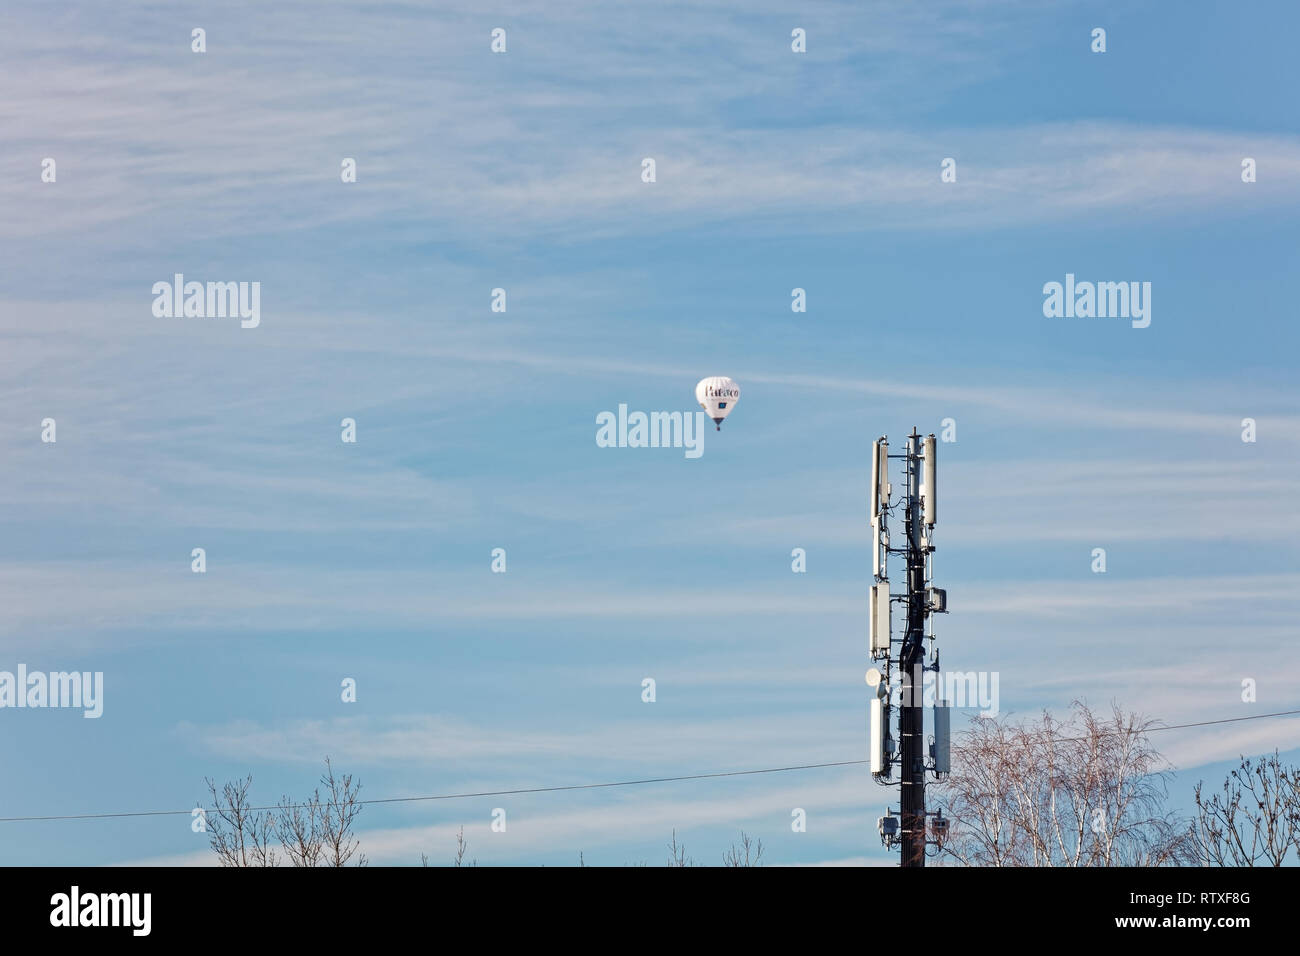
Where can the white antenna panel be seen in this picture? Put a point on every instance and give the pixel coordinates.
(927, 491)
(880, 618)
(881, 469)
(878, 734)
(875, 480)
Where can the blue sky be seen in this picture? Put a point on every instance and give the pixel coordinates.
(476, 430)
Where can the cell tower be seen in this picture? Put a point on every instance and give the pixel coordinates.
(899, 663)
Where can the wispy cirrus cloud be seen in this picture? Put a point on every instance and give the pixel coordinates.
(239, 142)
(666, 743)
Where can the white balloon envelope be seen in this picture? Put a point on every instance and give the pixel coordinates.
(717, 395)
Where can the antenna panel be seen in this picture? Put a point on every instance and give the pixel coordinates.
(942, 737)
(879, 719)
(881, 470)
(880, 618)
(927, 490)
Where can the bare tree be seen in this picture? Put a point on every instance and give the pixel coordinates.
(741, 856)
(317, 832)
(298, 828)
(1255, 817)
(677, 853)
(338, 811)
(1086, 791)
(462, 847)
(239, 833)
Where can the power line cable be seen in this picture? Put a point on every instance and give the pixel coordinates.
(457, 796)
(598, 786)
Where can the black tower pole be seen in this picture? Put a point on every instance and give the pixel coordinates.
(911, 722)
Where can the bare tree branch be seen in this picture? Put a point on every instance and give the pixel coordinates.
(316, 832)
(1254, 818)
(1084, 792)
(741, 856)
(338, 812)
(238, 834)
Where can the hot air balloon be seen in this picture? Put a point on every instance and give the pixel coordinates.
(717, 395)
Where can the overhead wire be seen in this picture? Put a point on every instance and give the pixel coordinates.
(598, 786)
